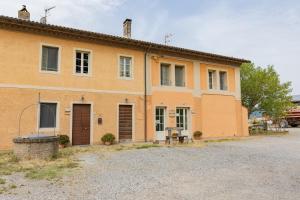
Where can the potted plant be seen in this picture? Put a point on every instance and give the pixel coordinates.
(197, 135)
(63, 141)
(174, 136)
(108, 139)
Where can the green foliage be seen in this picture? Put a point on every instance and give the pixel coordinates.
(2, 181)
(64, 140)
(197, 134)
(108, 137)
(262, 90)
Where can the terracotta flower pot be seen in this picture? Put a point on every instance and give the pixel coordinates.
(107, 143)
(197, 137)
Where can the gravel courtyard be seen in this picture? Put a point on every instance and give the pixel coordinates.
(256, 168)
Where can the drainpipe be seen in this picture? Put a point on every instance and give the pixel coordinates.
(145, 93)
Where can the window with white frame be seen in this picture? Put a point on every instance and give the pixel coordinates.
(125, 67)
(165, 78)
(212, 79)
(48, 115)
(50, 56)
(179, 76)
(223, 80)
(160, 119)
(82, 63)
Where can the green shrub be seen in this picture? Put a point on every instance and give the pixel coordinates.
(108, 137)
(197, 134)
(64, 140)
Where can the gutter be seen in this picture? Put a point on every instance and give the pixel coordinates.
(145, 93)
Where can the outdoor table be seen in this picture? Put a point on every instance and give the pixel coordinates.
(169, 136)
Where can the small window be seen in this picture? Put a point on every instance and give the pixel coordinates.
(82, 62)
(48, 115)
(212, 79)
(179, 76)
(223, 80)
(50, 58)
(165, 74)
(125, 67)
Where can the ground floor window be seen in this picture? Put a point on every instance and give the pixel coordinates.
(48, 115)
(182, 118)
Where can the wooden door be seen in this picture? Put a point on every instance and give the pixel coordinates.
(81, 124)
(125, 122)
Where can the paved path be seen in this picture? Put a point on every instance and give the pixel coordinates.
(259, 169)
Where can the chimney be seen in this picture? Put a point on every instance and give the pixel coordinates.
(127, 28)
(24, 14)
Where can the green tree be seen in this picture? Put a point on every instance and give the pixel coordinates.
(263, 91)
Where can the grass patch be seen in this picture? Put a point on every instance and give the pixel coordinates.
(147, 146)
(38, 169)
(221, 140)
(2, 181)
(271, 133)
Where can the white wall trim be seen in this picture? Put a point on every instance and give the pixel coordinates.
(197, 79)
(91, 119)
(8, 85)
(237, 84)
(172, 89)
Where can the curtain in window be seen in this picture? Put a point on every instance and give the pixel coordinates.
(223, 80)
(165, 74)
(49, 58)
(48, 115)
(125, 67)
(179, 76)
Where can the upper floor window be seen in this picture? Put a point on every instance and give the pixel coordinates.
(212, 79)
(179, 76)
(223, 80)
(125, 67)
(165, 74)
(82, 62)
(50, 58)
(48, 115)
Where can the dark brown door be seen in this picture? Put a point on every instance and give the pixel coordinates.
(81, 124)
(125, 122)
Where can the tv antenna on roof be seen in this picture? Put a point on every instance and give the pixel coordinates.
(44, 19)
(167, 38)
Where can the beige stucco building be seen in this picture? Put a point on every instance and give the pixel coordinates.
(85, 84)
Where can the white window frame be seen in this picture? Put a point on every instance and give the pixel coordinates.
(41, 58)
(217, 88)
(131, 67)
(90, 52)
(170, 74)
(184, 75)
(226, 80)
(215, 84)
(48, 130)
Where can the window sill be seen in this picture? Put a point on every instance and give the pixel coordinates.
(48, 130)
(126, 78)
(82, 75)
(50, 72)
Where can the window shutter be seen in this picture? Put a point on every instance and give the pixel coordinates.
(44, 58)
(48, 115)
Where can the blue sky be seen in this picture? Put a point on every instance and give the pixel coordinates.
(265, 31)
